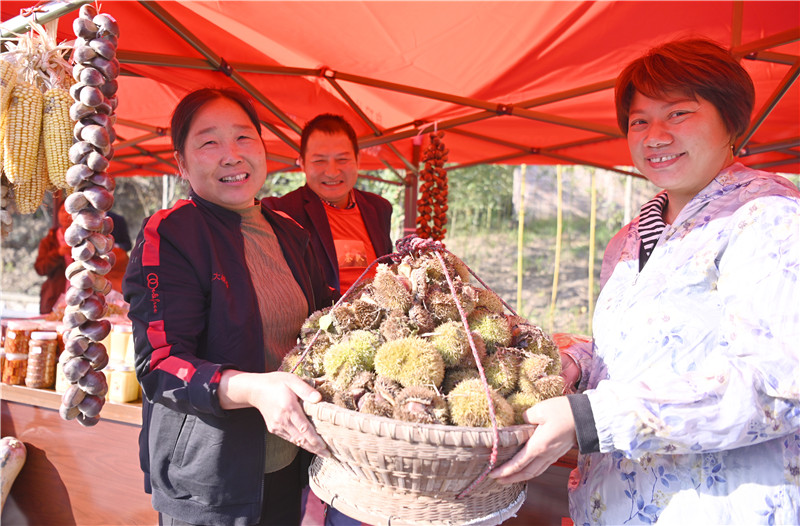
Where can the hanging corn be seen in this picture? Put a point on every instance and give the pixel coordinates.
(23, 124)
(8, 79)
(36, 78)
(30, 193)
(57, 133)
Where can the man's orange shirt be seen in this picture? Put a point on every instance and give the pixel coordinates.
(354, 250)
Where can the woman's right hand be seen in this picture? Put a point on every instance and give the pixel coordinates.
(278, 396)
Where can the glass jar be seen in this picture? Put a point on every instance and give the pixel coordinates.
(15, 346)
(18, 334)
(120, 334)
(124, 387)
(42, 350)
(14, 368)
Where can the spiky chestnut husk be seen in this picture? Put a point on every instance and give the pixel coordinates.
(521, 402)
(418, 278)
(441, 305)
(410, 361)
(397, 325)
(311, 325)
(420, 404)
(389, 289)
(363, 380)
(549, 386)
(535, 341)
(454, 375)
(494, 330)
(327, 389)
(534, 366)
(490, 301)
(469, 407)
(345, 399)
(355, 353)
(368, 315)
(422, 318)
(372, 404)
(307, 369)
(433, 268)
(502, 370)
(451, 340)
(386, 388)
(344, 318)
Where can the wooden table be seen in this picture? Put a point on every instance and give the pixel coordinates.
(74, 475)
(86, 476)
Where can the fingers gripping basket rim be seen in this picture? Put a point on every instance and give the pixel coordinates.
(386, 471)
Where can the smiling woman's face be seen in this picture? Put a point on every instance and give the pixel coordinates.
(223, 157)
(679, 143)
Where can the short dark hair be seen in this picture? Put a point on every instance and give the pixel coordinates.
(696, 67)
(330, 124)
(188, 107)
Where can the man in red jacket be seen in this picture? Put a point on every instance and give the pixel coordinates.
(349, 228)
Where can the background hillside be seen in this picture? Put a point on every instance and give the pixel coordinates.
(483, 231)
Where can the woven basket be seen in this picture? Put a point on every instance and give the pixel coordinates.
(394, 473)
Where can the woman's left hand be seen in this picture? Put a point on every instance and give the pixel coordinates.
(278, 396)
(554, 436)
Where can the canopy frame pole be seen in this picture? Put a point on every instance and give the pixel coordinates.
(410, 194)
(356, 108)
(529, 149)
(219, 64)
(483, 115)
(777, 146)
(769, 105)
(497, 108)
(42, 14)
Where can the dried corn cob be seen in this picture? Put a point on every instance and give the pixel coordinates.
(22, 131)
(8, 79)
(57, 134)
(30, 193)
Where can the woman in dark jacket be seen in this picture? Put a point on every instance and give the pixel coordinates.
(218, 288)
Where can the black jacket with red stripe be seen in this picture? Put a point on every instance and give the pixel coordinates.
(305, 207)
(195, 313)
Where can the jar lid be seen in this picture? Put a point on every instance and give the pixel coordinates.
(44, 335)
(22, 325)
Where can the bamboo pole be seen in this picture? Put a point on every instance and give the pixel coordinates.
(592, 225)
(559, 230)
(520, 233)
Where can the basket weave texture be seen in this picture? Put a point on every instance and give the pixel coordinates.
(386, 471)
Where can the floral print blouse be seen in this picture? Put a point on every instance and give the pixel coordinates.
(693, 373)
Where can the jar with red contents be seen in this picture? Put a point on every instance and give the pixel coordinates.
(15, 346)
(42, 350)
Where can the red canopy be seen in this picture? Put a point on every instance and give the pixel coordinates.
(512, 82)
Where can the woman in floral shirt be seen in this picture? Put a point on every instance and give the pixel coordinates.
(689, 404)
